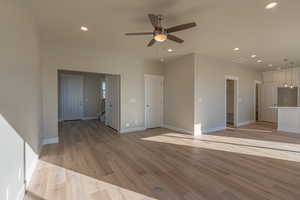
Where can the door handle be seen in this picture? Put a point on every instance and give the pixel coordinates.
(148, 106)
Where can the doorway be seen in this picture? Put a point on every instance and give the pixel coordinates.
(257, 100)
(231, 102)
(89, 96)
(153, 101)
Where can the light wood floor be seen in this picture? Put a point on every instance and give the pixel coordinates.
(94, 163)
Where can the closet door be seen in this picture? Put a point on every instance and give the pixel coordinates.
(153, 101)
(71, 96)
(112, 106)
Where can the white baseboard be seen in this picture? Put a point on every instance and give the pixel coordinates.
(178, 129)
(128, 130)
(54, 140)
(212, 130)
(31, 169)
(245, 123)
(89, 118)
(21, 194)
(288, 130)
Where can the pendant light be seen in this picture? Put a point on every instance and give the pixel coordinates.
(292, 77)
(286, 85)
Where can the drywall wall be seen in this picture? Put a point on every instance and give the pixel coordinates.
(210, 92)
(179, 93)
(130, 67)
(20, 97)
(92, 94)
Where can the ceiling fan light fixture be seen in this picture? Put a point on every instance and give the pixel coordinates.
(83, 28)
(271, 5)
(160, 37)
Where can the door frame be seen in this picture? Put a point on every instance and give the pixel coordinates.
(256, 82)
(61, 94)
(236, 100)
(145, 95)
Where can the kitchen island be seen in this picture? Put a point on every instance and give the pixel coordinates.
(288, 119)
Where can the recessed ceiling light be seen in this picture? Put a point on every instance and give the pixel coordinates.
(271, 5)
(170, 50)
(236, 49)
(253, 56)
(83, 28)
(259, 61)
(270, 65)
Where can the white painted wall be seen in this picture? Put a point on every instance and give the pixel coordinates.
(20, 96)
(195, 93)
(179, 93)
(210, 91)
(131, 69)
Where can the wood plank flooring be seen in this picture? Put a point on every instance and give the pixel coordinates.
(91, 162)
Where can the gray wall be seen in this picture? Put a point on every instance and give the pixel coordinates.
(20, 96)
(179, 93)
(210, 91)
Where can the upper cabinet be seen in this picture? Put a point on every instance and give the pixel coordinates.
(290, 76)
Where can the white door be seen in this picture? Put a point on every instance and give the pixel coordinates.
(112, 104)
(153, 101)
(71, 96)
(268, 100)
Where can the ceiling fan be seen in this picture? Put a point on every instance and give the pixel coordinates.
(160, 34)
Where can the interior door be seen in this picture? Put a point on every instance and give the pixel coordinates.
(268, 100)
(72, 96)
(153, 101)
(112, 106)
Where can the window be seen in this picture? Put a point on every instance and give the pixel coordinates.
(103, 87)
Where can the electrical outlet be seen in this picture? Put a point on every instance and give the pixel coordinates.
(136, 122)
(127, 125)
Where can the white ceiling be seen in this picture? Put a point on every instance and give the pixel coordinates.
(222, 25)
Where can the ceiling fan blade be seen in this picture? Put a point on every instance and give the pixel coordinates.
(141, 33)
(151, 43)
(153, 19)
(181, 27)
(175, 38)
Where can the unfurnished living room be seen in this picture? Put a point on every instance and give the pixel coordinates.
(150, 100)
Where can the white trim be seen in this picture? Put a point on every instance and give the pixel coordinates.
(246, 123)
(31, 169)
(288, 130)
(212, 130)
(237, 99)
(178, 129)
(54, 140)
(89, 118)
(21, 194)
(129, 130)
